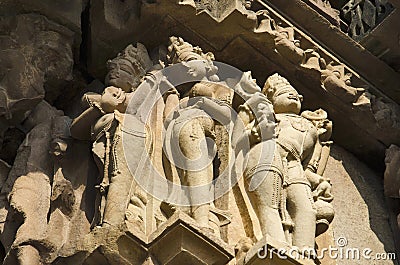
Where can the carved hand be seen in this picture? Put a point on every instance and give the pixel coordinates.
(112, 99)
(267, 129)
(323, 191)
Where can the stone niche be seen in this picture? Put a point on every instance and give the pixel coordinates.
(126, 149)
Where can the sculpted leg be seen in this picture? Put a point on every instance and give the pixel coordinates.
(300, 207)
(265, 200)
(263, 184)
(193, 146)
(122, 182)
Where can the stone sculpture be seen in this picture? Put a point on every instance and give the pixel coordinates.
(292, 197)
(101, 117)
(334, 77)
(103, 123)
(277, 189)
(194, 120)
(41, 188)
(68, 191)
(363, 16)
(278, 180)
(337, 82)
(298, 138)
(192, 125)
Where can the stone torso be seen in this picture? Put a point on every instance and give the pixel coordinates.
(297, 135)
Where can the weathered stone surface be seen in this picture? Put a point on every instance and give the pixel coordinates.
(181, 241)
(178, 241)
(36, 59)
(41, 114)
(43, 197)
(29, 178)
(4, 170)
(65, 13)
(392, 172)
(113, 27)
(361, 216)
(13, 137)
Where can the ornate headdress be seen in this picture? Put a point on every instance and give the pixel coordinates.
(128, 68)
(277, 85)
(182, 51)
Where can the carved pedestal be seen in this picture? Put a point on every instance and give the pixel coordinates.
(181, 241)
(269, 252)
(178, 241)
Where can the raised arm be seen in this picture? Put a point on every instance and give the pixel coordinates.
(81, 126)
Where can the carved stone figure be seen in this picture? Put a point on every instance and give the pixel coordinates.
(98, 123)
(392, 172)
(288, 192)
(363, 16)
(194, 120)
(262, 182)
(298, 140)
(288, 46)
(73, 188)
(391, 182)
(192, 133)
(337, 82)
(44, 191)
(103, 123)
(128, 68)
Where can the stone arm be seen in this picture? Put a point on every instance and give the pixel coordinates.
(258, 118)
(219, 111)
(112, 99)
(312, 166)
(265, 126)
(242, 129)
(81, 126)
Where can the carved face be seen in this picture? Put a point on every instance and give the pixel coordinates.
(200, 68)
(288, 101)
(121, 79)
(250, 82)
(113, 98)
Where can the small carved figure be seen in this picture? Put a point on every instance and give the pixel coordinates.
(288, 46)
(337, 82)
(247, 3)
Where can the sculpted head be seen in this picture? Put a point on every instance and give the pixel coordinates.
(199, 69)
(127, 69)
(283, 96)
